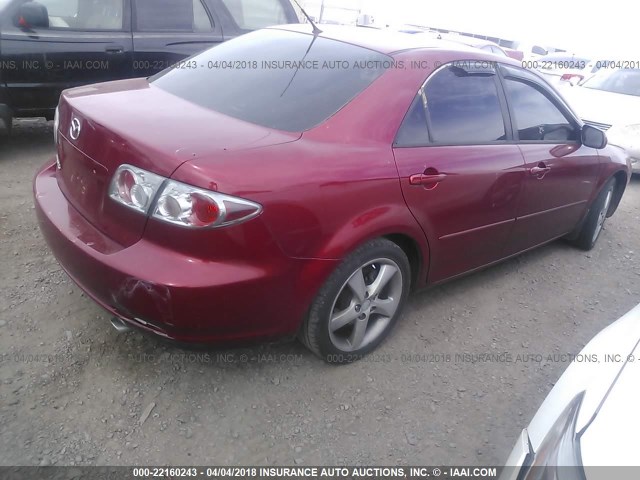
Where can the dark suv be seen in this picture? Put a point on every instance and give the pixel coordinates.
(47, 46)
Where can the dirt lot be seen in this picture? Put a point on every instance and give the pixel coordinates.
(73, 391)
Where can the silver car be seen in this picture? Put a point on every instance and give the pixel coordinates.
(610, 100)
(590, 418)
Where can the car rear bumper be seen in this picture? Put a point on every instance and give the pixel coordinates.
(172, 294)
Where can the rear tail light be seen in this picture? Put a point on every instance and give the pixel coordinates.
(135, 187)
(567, 77)
(178, 203)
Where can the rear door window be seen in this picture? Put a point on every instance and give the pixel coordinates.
(414, 132)
(463, 107)
(171, 16)
(85, 14)
(256, 14)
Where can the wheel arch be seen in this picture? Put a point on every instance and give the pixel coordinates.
(620, 187)
(413, 252)
(621, 178)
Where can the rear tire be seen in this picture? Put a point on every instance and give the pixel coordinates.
(359, 304)
(8, 125)
(594, 224)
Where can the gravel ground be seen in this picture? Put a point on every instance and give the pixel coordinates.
(74, 392)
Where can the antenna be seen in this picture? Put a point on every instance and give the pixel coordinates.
(316, 30)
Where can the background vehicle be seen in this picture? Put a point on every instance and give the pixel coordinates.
(589, 417)
(300, 200)
(531, 51)
(559, 68)
(484, 45)
(610, 100)
(47, 46)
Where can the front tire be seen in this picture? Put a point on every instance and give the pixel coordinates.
(594, 224)
(360, 302)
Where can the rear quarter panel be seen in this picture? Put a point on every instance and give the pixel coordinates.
(319, 201)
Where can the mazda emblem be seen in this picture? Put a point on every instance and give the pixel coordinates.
(75, 128)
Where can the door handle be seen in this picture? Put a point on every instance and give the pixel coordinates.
(426, 180)
(540, 171)
(114, 50)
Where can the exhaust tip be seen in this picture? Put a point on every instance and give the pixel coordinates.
(119, 325)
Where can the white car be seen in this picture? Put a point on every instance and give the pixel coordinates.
(479, 43)
(610, 101)
(590, 418)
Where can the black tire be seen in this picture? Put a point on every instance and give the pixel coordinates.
(8, 125)
(598, 213)
(378, 259)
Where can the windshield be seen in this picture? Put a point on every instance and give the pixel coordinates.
(277, 79)
(626, 82)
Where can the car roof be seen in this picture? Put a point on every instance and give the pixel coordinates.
(471, 41)
(383, 41)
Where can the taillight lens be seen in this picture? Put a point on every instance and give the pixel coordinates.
(188, 206)
(135, 187)
(178, 203)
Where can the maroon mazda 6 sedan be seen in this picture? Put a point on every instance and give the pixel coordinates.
(289, 183)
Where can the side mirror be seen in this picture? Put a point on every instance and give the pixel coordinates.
(593, 137)
(32, 15)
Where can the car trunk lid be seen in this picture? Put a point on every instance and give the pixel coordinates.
(132, 122)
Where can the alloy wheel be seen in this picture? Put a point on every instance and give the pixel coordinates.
(365, 305)
(602, 216)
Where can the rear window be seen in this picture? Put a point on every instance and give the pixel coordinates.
(164, 15)
(255, 14)
(85, 14)
(283, 80)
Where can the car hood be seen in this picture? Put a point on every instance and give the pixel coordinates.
(593, 374)
(610, 439)
(603, 107)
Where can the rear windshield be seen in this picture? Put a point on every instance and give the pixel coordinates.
(278, 79)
